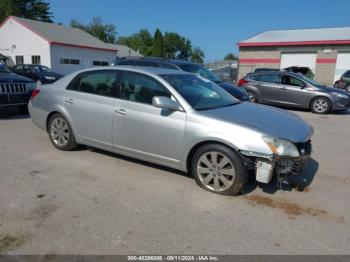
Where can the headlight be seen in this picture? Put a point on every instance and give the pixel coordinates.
(281, 147)
(340, 95)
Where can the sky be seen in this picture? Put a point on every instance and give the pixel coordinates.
(215, 26)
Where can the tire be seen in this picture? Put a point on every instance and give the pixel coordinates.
(61, 133)
(252, 97)
(23, 109)
(347, 88)
(321, 105)
(225, 176)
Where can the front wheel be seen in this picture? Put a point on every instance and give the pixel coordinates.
(218, 169)
(321, 105)
(61, 133)
(347, 88)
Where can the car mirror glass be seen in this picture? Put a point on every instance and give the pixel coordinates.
(165, 103)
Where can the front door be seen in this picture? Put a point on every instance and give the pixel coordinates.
(143, 130)
(90, 103)
(292, 91)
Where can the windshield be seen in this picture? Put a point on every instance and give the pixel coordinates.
(309, 80)
(41, 69)
(199, 92)
(200, 70)
(3, 69)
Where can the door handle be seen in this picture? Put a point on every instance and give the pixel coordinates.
(69, 101)
(121, 111)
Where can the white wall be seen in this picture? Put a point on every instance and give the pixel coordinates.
(85, 56)
(15, 39)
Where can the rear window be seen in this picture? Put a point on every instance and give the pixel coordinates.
(268, 78)
(347, 74)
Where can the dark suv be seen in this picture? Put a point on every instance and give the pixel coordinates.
(294, 90)
(15, 90)
(176, 64)
(344, 82)
(37, 73)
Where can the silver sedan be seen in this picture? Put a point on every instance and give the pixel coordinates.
(174, 119)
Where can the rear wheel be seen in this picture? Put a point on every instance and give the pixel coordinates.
(61, 133)
(218, 169)
(252, 97)
(321, 105)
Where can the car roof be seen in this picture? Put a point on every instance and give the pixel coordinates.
(141, 69)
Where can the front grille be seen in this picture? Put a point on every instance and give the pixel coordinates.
(13, 88)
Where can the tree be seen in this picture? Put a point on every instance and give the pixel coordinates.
(230, 56)
(105, 32)
(176, 46)
(158, 44)
(197, 55)
(32, 9)
(141, 41)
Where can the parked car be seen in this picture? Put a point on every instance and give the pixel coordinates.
(15, 90)
(37, 73)
(187, 66)
(344, 82)
(175, 119)
(294, 90)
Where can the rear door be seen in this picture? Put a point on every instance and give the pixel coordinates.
(268, 85)
(89, 99)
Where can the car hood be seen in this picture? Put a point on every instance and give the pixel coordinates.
(13, 78)
(268, 120)
(331, 90)
(233, 90)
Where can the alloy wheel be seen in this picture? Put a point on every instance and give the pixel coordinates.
(215, 171)
(60, 132)
(251, 97)
(320, 105)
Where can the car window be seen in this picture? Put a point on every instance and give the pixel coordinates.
(199, 92)
(291, 81)
(95, 82)
(347, 74)
(26, 69)
(18, 68)
(268, 78)
(140, 88)
(201, 71)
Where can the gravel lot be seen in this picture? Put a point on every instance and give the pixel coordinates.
(92, 202)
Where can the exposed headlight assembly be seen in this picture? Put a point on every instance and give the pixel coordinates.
(281, 147)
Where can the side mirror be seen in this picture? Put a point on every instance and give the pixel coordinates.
(165, 103)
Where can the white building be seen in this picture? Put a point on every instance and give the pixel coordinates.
(64, 49)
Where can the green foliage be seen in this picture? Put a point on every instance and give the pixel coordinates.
(230, 56)
(174, 45)
(197, 55)
(141, 41)
(32, 9)
(158, 44)
(105, 32)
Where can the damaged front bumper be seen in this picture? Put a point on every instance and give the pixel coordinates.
(284, 167)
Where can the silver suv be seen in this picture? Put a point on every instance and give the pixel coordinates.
(172, 118)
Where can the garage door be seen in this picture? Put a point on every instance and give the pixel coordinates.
(343, 64)
(299, 59)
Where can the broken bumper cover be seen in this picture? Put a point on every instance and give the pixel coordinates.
(284, 167)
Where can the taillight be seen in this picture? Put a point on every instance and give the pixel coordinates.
(35, 92)
(242, 82)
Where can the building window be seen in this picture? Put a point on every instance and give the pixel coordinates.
(36, 60)
(19, 60)
(67, 61)
(100, 63)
